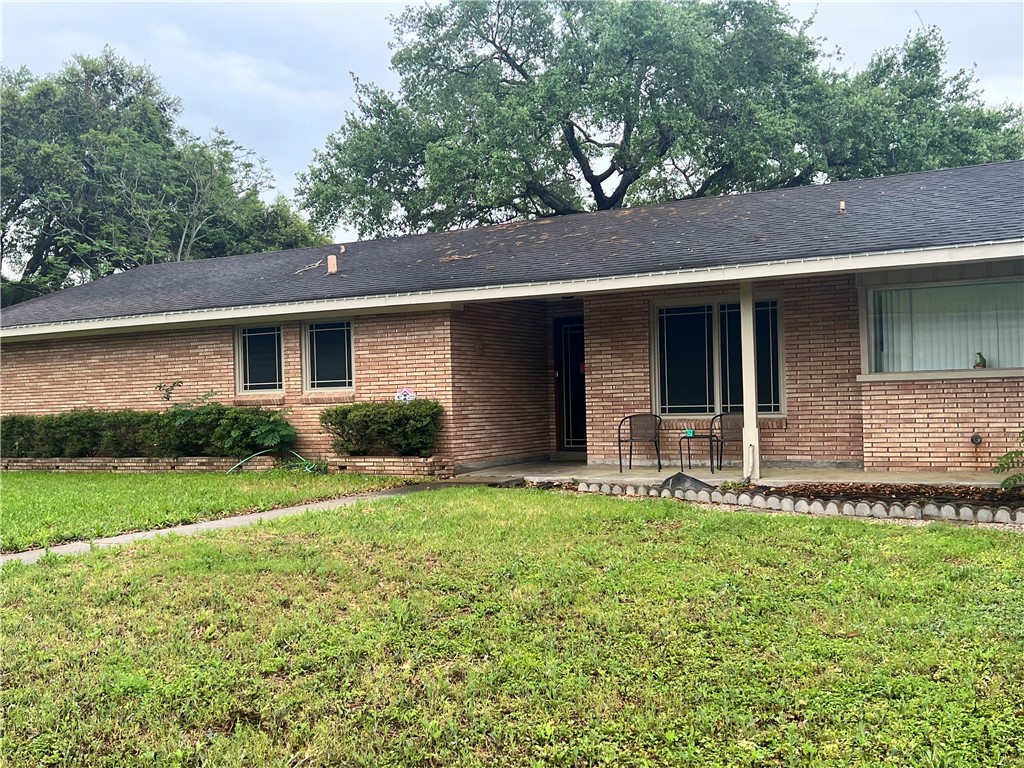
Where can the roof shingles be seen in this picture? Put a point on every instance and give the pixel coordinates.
(938, 208)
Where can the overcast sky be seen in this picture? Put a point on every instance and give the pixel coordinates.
(276, 76)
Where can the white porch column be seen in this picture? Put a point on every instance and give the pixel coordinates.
(751, 437)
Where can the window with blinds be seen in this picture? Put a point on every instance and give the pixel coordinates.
(944, 327)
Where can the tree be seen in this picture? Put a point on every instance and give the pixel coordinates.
(97, 177)
(512, 109)
(904, 114)
(72, 144)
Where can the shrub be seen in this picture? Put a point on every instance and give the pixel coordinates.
(17, 435)
(1012, 462)
(189, 429)
(392, 428)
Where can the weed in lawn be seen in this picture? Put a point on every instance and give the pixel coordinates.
(490, 627)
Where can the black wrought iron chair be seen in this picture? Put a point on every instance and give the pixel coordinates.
(640, 428)
(724, 428)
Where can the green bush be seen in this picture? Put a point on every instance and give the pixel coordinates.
(17, 435)
(1011, 462)
(392, 428)
(189, 429)
(78, 433)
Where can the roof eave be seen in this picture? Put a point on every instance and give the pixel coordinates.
(426, 300)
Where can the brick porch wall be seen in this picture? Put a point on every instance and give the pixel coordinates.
(616, 333)
(935, 421)
(499, 363)
(821, 347)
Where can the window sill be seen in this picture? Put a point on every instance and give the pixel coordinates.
(970, 373)
(679, 422)
(335, 396)
(261, 399)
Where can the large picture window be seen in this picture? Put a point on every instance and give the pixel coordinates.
(944, 327)
(700, 359)
(329, 355)
(260, 359)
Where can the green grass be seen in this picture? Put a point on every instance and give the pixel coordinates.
(41, 509)
(517, 628)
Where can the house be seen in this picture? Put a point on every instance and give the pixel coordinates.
(850, 313)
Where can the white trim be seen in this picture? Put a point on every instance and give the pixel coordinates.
(967, 373)
(431, 299)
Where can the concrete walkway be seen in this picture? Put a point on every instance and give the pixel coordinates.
(239, 521)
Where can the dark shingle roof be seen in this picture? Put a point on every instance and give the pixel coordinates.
(937, 208)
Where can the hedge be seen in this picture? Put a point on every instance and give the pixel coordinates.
(391, 428)
(206, 429)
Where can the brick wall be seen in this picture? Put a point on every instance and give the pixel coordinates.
(122, 371)
(495, 398)
(821, 341)
(616, 331)
(934, 422)
(105, 464)
(499, 364)
(119, 371)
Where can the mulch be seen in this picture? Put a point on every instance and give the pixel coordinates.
(905, 493)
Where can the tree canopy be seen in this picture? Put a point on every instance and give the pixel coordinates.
(97, 176)
(511, 109)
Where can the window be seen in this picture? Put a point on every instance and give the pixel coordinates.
(944, 327)
(700, 359)
(329, 355)
(260, 359)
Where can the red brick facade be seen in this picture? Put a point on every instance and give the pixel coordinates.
(936, 420)
(500, 403)
(491, 367)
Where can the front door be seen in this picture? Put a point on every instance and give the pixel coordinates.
(570, 385)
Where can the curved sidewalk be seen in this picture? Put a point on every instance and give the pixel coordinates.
(239, 521)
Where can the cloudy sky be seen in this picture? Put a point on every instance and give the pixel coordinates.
(276, 76)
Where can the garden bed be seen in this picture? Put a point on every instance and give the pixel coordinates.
(979, 495)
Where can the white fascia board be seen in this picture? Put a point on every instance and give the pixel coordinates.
(428, 300)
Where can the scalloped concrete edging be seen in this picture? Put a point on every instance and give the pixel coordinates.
(961, 513)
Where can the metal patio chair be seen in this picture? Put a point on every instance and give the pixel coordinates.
(724, 428)
(640, 428)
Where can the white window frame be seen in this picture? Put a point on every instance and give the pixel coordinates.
(715, 303)
(867, 334)
(308, 354)
(242, 386)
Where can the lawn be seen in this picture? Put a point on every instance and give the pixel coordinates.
(510, 627)
(40, 509)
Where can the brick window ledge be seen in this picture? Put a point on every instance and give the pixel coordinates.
(701, 424)
(258, 400)
(327, 398)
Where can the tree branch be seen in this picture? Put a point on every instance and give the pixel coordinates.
(550, 198)
(568, 130)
